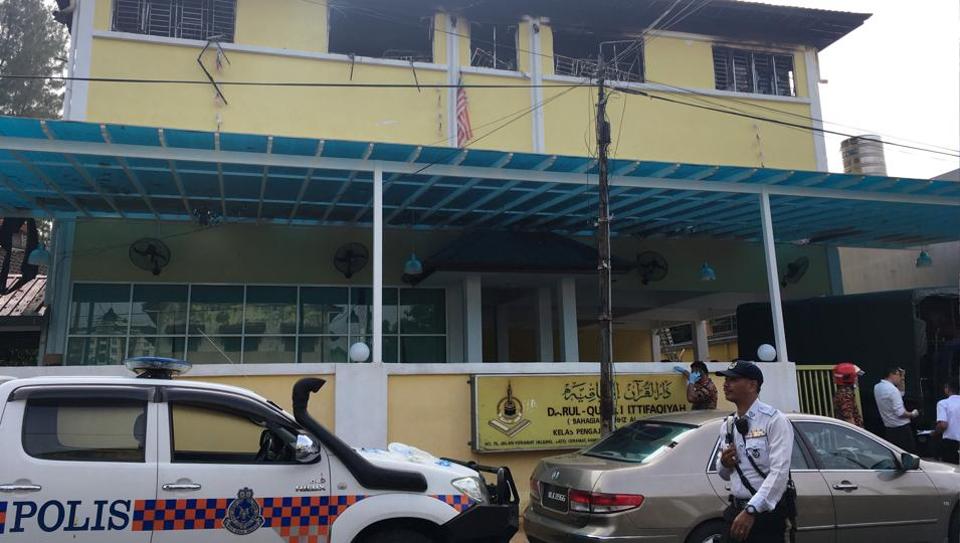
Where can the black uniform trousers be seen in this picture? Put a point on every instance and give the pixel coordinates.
(769, 527)
(949, 451)
(902, 436)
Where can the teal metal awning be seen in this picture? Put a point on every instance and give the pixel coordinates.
(89, 170)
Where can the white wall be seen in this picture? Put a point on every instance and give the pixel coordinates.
(872, 270)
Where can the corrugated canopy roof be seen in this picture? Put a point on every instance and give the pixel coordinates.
(71, 169)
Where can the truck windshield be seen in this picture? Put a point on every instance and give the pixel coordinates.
(639, 441)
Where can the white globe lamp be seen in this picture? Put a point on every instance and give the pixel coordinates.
(766, 353)
(359, 352)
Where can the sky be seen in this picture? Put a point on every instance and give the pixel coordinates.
(898, 76)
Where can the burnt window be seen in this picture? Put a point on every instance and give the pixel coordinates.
(754, 72)
(188, 19)
(578, 53)
(370, 34)
(493, 46)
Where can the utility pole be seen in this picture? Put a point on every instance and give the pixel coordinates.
(607, 387)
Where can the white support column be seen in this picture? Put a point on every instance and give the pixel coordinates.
(377, 265)
(82, 35)
(656, 352)
(701, 343)
(813, 93)
(570, 343)
(473, 320)
(360, 404)
(453, 77)
(773, 278)
(536, 90)
(545, 324)
(57, 294)
(503, 333)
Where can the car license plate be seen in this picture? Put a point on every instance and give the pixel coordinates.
(556, 498)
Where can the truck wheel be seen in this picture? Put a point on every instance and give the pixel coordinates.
(396, 535)
(708, 532)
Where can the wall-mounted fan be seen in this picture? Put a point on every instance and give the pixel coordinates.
(150, 254)
(795, 271)
(351, 258)
(652, 267)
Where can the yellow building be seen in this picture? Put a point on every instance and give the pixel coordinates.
(252, 185)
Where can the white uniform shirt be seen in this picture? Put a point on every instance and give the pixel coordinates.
(890, 404)
(948, 411)
(769, 441)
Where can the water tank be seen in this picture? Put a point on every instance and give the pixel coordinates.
(864, 155)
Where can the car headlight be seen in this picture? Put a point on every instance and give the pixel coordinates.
(471, 487)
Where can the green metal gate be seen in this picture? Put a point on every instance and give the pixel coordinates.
(816, 389)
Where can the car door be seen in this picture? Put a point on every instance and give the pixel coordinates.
(873, 498)
(76, 461)
(815, 513)
(221, 480)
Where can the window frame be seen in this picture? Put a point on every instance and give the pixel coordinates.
(228, 404)
(176, 28)
(104, 395)
(729, 50)
(297, 335)
(852, 429)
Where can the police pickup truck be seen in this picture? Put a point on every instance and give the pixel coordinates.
(159, 460)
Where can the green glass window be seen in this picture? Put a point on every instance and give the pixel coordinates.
(422, 311)
(167, 347)
(216, 310)
(214, 350)
(269, 349)
(96, 351)
(324, 310)
(100, 310)
(159, 310)
(361, 304)
(423, 349)
(323, 349)
(271, 310)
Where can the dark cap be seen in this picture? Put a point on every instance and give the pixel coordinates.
(742, 368)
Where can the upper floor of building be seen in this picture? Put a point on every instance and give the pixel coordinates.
(726, 81)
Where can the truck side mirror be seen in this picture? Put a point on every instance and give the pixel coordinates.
(909, 462)
(306, 449)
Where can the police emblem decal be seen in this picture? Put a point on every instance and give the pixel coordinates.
(244, 515)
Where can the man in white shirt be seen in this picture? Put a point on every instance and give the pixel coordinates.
(896, 419)
(948, 423)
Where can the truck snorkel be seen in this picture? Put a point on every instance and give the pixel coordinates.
(367, 474)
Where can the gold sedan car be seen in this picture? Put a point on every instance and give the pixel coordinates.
(656, 481)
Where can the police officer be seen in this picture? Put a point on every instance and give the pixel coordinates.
(756, 461)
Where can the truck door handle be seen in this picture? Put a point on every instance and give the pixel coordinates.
(20, 488)
(181, 486)
(845, 485)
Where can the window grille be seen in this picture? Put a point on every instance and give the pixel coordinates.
(754, 72)
(187, 19)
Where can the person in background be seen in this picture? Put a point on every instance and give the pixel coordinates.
(845, 406)
(948, 423)
(896, 419)
(701, 392)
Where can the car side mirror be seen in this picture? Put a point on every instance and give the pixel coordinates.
(909, 462)
(307, 450)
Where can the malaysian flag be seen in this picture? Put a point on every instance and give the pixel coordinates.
(464, 131)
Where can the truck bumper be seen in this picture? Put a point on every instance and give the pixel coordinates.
(493, 522)
(487, 522)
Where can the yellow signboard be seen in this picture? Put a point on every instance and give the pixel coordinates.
(549, 412)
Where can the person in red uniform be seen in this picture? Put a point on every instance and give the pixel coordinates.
(845, 406)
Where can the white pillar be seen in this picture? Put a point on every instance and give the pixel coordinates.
(536, 80)
(360, 404)
(773, 278)
(545, 324)
(472, 320)
(656, 352)
(570, 344)
(503, 333)
(453, 77)
(58, 291)
(701, 343)
(377, 265)
(813, 93)
(82, 36)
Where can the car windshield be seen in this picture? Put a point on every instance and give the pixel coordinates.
(639, 441)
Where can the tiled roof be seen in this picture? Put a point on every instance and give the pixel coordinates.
(23, 306)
